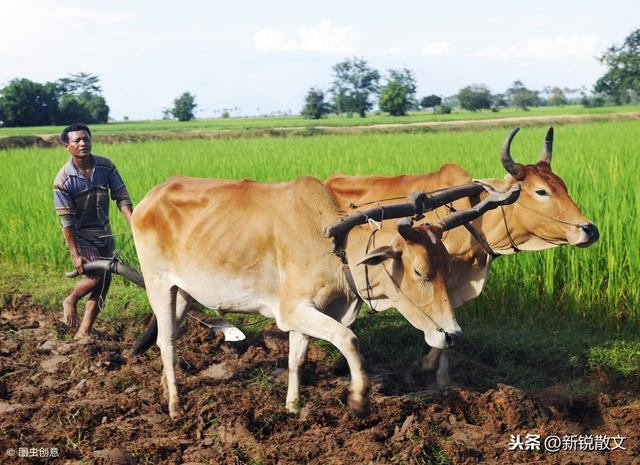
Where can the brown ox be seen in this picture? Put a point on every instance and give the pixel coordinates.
(544, 216)
(248, 247)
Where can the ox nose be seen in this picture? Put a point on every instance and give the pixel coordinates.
(453, 338)
(591, 230)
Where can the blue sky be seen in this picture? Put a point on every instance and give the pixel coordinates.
(264, 56)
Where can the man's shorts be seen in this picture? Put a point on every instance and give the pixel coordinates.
(91, 252)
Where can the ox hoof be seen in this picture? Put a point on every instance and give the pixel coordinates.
(175, 411)
(293, 407)
(359, 408)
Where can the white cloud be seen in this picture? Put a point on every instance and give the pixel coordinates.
(438, 48)
(273, 40)
(28, 23)
(323, 38)
(575, 46)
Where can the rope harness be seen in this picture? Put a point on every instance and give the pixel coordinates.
(341, 253)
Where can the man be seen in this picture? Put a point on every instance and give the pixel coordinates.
(81, 196)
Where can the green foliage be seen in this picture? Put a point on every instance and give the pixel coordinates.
(622, 79)
(442, 109)
(78, 84)
(592, 101)
(27, 103)
(183, 107)
(394, 99)
(315, 105)
(398, 95)
(521, 97)
(354, 85)
(497, 102)
(430, 101)
(557, 97)
(86, 108)
(474, 97)
(68, 100)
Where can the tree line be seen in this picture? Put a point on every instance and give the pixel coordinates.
(356, 89)
(77, 97)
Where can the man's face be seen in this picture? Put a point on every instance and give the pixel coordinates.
(79, 144)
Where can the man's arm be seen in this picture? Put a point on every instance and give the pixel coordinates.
(77, 259)
(127, 211)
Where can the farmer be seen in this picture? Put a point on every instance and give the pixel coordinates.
(81, 196)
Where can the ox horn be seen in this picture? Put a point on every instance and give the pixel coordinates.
(513, 168)
(405, 228)
(545, 156)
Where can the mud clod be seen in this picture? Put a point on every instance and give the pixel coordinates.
(96, 405)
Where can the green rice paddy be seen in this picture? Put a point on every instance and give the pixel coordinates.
(598, 161)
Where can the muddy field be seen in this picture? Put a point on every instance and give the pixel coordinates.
(95, 404)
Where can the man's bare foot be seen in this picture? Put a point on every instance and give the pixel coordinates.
(70, 314)
(82, 337)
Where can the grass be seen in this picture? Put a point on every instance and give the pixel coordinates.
(239, 124)
(598, 162)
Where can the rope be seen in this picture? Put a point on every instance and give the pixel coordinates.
(112, 260)
(439, 328)
(545, 216)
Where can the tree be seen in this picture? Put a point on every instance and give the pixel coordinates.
(315, 106)
(78, 84)
(622, 80)
(81, 99)
(557, 97)
(398, 95)
(354, 85)
(27, 103)
(498, 101)
(430, 101)
(394, 99)
(184, 106)
(521, 97)
(474, 97)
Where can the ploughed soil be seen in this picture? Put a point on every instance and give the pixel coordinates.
(96, 404)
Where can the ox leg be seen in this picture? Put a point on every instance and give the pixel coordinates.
(163, 302)
(182, 303)
(443, 377)
(306, 319)
(298, 344)
(429, 362)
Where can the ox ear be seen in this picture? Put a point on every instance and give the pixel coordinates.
(377, 256)
(495, 185)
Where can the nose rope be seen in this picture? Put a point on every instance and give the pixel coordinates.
(439, 328)
(545, 216)
(506, 226)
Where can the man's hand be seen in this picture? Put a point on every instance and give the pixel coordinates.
(127, 211)
(78, 262)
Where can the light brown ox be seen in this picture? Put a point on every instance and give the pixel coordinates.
(544, 216)
(248, 247)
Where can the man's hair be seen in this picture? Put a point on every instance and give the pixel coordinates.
(74, 127)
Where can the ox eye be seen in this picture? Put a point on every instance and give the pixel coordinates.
(420, 275)
(542, 192)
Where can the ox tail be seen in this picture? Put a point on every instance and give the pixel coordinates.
(147, 339)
